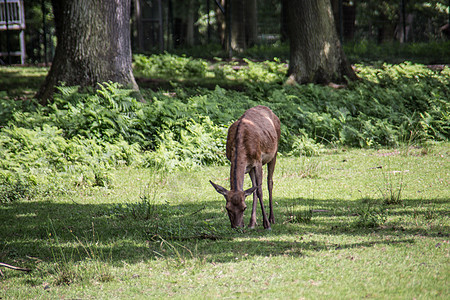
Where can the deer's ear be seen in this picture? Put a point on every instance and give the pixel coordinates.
(250, 191)
(219, 189)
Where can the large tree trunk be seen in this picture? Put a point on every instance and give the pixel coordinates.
(93, 45)
(316, 54)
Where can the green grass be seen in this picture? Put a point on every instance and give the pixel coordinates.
(161, 235)
(351, 223)
(21, 83)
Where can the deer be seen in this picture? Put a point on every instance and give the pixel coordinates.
(252, 142)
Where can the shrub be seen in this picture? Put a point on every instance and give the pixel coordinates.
(181, 68)
(42, 160)
(169, 66)
(189, 145)
(305, 146)
(13, 187)
(388, 104)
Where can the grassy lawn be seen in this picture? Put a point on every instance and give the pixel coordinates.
(350, 224)
(83, 206)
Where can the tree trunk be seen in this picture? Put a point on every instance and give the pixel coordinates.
(93, 45)
(221, 23)
(243, 24)
(316, 55)
(238, 25)
(190, 20)
(251, 22)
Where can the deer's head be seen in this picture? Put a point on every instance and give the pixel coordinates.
(235, 203)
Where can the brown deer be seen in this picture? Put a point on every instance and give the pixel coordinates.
(251, 143)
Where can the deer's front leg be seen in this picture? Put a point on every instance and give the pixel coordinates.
(252, 223)
(259, 193)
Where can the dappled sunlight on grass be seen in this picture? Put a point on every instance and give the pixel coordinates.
(174, 223)
(103, 195)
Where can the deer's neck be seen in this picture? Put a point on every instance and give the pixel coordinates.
(237, 172)
(238, 161)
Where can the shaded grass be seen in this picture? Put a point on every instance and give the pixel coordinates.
(185, 249)
(19, 82)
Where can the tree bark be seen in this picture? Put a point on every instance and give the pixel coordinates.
(316, 55)
(93, 45)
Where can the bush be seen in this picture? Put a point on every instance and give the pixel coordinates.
(42, 160)
(169, 66)
(181, 68)
(13, 187)
(191, 144)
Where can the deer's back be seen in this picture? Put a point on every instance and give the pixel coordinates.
(256, 134)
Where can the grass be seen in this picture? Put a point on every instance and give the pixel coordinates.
(21, 83)
(159, 235)
(351, 223)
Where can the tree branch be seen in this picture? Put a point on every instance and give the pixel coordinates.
(13, 268)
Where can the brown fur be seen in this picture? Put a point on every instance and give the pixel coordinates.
(251, 143)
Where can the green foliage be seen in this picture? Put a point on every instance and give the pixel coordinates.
(82, 135)
(250, 72)
(41, 160)
(109, 114)
(13, 188)
(181, 68)
(169, 66)
(189, 145)
(305, 146)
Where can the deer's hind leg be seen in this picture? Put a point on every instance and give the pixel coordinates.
(252, 223)
(270, 170)
(259, 193)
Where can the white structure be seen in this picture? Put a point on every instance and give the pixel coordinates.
(12, 17)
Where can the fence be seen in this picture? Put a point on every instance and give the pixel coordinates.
(12, 19)
(159, 25)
